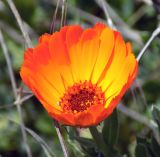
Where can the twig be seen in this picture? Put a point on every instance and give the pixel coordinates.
(23, 99)
(59, 133)
(154, 34)
(29, 44)
(20, 22)
(109, 20)
(9, 65)
(22, 126)
(52, 27)
(63, 12)
(91, 18)
(17, 97)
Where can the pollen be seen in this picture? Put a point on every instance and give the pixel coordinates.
(82, 96)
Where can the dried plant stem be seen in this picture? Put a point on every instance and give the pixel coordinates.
(54, 18)
(9, 65)
(22, 126)
(63, 14)
(17, 97)
(20, 22)
(104, 8)
(61, 139)
(154, 34)
(23, 99)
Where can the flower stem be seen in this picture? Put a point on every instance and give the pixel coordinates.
(99, 141)
(61, 139)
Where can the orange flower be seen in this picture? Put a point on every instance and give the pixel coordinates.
(80, 75)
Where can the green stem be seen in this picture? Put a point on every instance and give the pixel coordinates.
(99, 141)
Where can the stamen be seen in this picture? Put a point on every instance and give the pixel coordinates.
(81, 96)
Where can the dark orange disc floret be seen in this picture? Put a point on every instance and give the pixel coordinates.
(81, 96)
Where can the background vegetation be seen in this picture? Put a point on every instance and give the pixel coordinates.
(131, 131)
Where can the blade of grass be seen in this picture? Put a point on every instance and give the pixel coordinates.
(99, 141)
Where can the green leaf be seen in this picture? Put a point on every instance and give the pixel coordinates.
(141, 151)
(155, 147)
(110, 129)
(142, 140)
(85, 142)
(88, 146)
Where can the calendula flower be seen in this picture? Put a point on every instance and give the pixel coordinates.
(79, 75)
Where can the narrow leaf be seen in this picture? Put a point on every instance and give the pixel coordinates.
(111, 129)
(141, 151)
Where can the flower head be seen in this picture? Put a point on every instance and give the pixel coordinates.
(79, 75)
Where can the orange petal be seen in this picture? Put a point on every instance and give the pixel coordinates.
(60, 60)
(44, 38)
(104, 54)
(99, 27)
(63, 118)
(84, 119)
(40, 87)
(58, 50)
(120, 69)
(86, 54)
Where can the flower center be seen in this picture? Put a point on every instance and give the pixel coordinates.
(81, 96)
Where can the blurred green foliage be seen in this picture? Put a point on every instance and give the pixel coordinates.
(135, 139)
